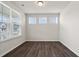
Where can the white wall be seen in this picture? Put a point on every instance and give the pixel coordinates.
(42, 32)
(69, 31)
(9, 45)
(69, 27)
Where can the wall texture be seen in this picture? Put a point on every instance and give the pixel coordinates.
(69, 30)
(8, 45)
(69, 27)
(42, 32)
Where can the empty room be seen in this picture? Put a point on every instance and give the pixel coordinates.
(39, 28)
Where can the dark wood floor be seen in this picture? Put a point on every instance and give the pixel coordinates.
(41, 49)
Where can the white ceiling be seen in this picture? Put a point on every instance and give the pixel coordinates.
(50, 6)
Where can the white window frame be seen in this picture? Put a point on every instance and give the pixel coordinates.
(41, 19)
(12, 36)
(30, 22)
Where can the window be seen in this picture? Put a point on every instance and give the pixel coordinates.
(53, 20)
(16, 28)
(0, 21)
(9, 23)
(42, 20)
(0, 13)
(4, 22)
(32, 20)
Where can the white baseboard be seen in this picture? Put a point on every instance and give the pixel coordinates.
(11, 49)
(69, 47)
(42, 40)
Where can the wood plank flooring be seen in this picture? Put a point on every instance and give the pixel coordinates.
(41, 49)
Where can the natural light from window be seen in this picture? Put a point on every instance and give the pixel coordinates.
(42, 20)
(32, 20)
